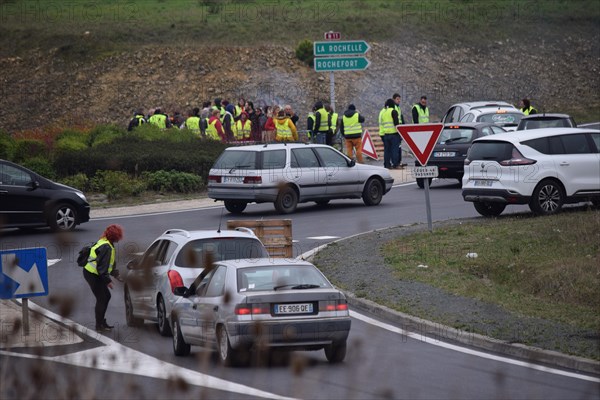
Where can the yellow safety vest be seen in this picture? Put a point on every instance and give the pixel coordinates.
(283, 130)
(527, 111)
(238, 111)
(243, 131)
(159, 120)
(386, 122)
(324, 124)
(193, 123)
(334, 118)
(211, 131)
(397, 108)
(91, 266)
(423, 115)
(351, 126)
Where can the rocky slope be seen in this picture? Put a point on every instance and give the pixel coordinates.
(43, 87)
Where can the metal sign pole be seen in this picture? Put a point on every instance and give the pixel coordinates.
(428, 204)
(25, 309)
(332, 90)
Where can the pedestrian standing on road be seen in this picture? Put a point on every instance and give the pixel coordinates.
(322, 123)
(397, 99)
(352, 130)
(420, 111)
(526, 107)
(333, 125)
(98, 271)
(388, 119)
(285, 130)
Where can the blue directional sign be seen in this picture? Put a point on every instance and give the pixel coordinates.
(23, 273)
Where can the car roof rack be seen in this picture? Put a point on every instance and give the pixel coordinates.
(177, 231)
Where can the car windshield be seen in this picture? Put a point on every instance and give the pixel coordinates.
(199, 253)
(545, 123)
(280, 277)
(236, 159)
(502, 119)
(456, 135)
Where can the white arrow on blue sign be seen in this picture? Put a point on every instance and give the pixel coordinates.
(23, 273)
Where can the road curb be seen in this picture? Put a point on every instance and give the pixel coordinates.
(440, 332)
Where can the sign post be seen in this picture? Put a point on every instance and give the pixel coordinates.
(23, 274)
(421, 139)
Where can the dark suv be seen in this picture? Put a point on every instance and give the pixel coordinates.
(28, 200)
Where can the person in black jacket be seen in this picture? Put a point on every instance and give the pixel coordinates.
(98, 271)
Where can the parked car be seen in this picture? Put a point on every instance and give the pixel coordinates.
(28, 200)
(240, 306)
(457, 111)
(505, 117)
(175, 259)
(288, 174)
(544, 168)
(451, 150)
(537, 121)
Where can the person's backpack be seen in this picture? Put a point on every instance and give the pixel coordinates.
(84, 255)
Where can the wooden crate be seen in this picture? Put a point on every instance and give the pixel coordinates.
(276, 234)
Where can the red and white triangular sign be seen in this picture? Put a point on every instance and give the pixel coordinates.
(367, 146)
(421, 139)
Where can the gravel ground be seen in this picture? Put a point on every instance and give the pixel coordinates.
(356, 265)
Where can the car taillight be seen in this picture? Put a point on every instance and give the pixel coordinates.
(335, 305)
(252, 309)
(175, 279)
(517, 159)
(253, 179)
(214, 179)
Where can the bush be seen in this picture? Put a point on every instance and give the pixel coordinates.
(41, 166)
(104, 134)
(29, 148)
(148, 132)
(305, 52)
(78, 181)
(117, 184)
(71, 143)
(173, 181)
(7, 145)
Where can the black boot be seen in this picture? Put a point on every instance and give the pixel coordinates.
(106, 325)
(102, 328)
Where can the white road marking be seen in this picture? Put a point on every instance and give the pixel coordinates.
(155, 213)
(403, 184)
(436, 342)
(115, 357)
(323, 237)
(53, 261)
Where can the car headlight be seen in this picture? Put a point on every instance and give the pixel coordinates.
(81, 195)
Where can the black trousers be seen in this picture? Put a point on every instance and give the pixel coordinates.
(101, 292)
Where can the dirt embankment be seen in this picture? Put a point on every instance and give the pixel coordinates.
(54, 87)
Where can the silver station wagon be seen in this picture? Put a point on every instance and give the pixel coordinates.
(292, 173)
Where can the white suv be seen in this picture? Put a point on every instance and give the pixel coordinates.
(175, 259)
(544, 168)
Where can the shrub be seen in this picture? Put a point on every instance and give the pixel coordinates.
(103, 134)
(71, 143)
(305, 52)
(147, 132)
(40, 165)
(29, 148)
(78, 181)
(117, 184)
(173, 181)
(7, 145)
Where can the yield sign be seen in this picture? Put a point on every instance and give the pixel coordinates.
(367, 146)
(420, 138)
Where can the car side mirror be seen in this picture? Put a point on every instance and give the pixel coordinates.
(352, 163)
(181, 291)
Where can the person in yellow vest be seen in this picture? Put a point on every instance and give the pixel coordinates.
(310, 126)
(388, 119)
(137, 120)
(193, 121)
(322, 123)
(243, 127)
(397, 99)
(352, 130)
(98, 270)
(333, 125)
(159, 119)
(420, 111)
(285, 130)
(526, 107)
(214, 129)
(240, 107)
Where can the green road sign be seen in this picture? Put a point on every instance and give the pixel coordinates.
(341, 64)
(341, 48)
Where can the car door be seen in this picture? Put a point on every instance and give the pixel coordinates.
(22, 201)
(307, 173)
(210, 302)
(195, 319)
(578, 166)
(342, 179)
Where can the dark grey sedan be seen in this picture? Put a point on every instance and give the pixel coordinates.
(240, 306)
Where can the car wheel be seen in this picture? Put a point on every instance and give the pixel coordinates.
(596, 202)
(227, 355)
(322, 202)
(373, 192)
(287, 200)
(129, 318)
(547, 198)
(161, 315)
(335, 352)
(235, 207)
(180, 347)
(63, 218)
(489, 209)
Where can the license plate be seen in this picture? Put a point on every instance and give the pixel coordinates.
(483, 182)
(233, 179)
(301, 308)
(444, 153)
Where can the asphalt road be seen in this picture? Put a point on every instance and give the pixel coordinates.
(382, 362)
